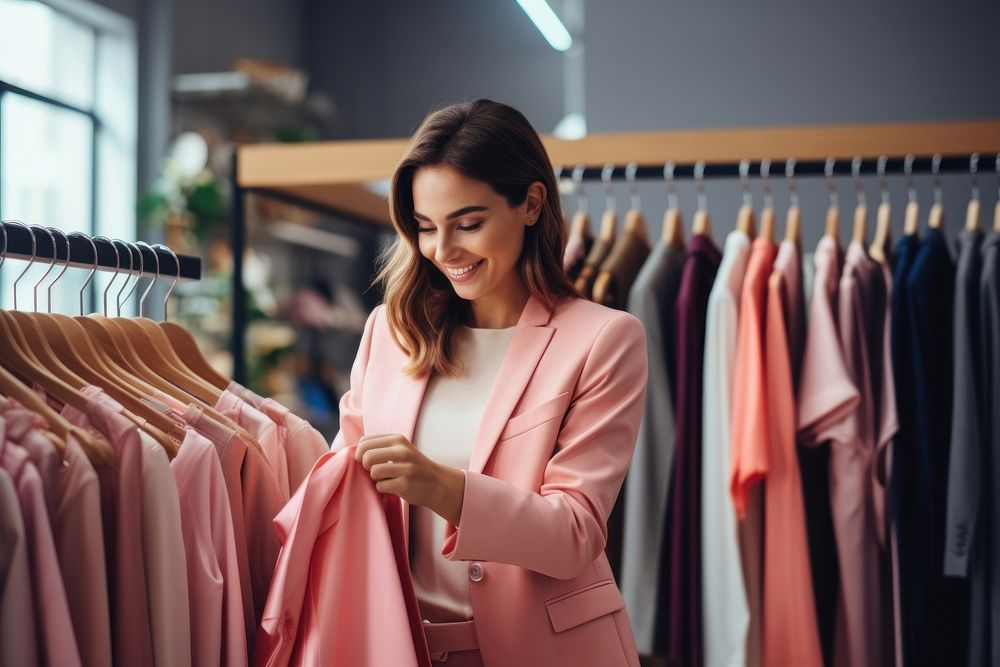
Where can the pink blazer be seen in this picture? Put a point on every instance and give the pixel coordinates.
(549, 459)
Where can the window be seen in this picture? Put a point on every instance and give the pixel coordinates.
(67, 131)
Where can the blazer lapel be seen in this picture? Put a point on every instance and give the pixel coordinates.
(526, 348)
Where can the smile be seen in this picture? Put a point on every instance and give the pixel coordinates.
(464, 273)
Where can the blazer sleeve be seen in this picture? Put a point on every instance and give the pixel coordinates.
(352, 425)
(561, 529)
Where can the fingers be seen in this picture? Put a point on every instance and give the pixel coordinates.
(391, 470)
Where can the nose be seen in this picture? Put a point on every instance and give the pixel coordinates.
(446, 249)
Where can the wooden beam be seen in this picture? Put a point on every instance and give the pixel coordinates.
(311, 170)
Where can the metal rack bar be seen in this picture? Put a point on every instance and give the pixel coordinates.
(19, 247)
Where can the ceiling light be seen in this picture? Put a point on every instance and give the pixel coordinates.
(548, 23)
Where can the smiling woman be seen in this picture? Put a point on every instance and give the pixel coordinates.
(476, 210)
(500, 406)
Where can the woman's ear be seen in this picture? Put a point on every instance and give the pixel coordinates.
(534, 201)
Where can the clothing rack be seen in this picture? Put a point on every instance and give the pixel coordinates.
(34, 243)
(330, 177)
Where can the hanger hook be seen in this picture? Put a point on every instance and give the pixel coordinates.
(53, 230)
(34, 289)
(118, 264)
(699, 180)
(668, 176)
(911, 189)
(142, 272)
(856, 177)
(93, 269)
(831, 184)
(974, 174)
(765, 182)
(631, 169)
(606, 174)
(936, 170)
(793, 192)
(149, 287)
(745, 182)
(577, 177)
(177, 276)
(128, 274)
(883, 183)
(30, 261)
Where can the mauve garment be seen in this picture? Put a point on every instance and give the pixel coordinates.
(18, 640)
(304, 444)
(938, 605)
(683, 611)
(53, 626)
(218, 635)
(73, 495)
(272, 437)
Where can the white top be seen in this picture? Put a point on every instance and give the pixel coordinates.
(445, 431)
(725, 611)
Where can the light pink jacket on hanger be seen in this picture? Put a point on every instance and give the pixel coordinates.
(550, 456)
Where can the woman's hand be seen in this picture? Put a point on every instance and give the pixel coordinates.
(403, 470)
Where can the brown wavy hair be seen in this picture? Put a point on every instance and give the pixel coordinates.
(493, 143)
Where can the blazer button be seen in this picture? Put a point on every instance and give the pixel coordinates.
(477, 572)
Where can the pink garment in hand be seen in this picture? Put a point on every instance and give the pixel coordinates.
(342, 593)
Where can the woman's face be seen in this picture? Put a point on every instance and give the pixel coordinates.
(471, 234)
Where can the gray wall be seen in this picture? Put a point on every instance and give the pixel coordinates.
(387, 63)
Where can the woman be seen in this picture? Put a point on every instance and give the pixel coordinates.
(500, 406)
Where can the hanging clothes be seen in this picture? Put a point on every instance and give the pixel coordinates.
(218, 635)
(791, 633)
(53, 627)
(856, 498)
(651, 299)
(826, 394)
(338, 523)
(683, 612)
(18, 641)
(725, 611)
(936, 614)
(964, 538)
(985, 637)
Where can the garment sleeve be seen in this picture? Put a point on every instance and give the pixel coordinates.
(352, 425)
(561, 529)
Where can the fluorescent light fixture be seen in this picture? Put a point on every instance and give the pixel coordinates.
(552, 29)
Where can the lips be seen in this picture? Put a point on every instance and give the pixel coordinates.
(464, 273)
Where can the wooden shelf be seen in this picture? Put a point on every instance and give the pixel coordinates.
(332, 174)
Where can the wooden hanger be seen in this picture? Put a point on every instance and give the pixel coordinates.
(996, 210)
(935, 218)
(793, 223)
(833, 212)
(617, 267)
(673, 226)
(860, 232)
(972, 211)
(745, 221)
(883, 218)
(911, 218)
(701, 225)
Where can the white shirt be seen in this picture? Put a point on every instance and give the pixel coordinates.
(725, 611)
(446, 431)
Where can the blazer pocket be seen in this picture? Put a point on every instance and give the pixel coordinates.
(536, 416)
(586, 604)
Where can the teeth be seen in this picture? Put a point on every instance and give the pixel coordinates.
(462, 272)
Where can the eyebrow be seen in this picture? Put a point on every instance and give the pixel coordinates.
(454, 214)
